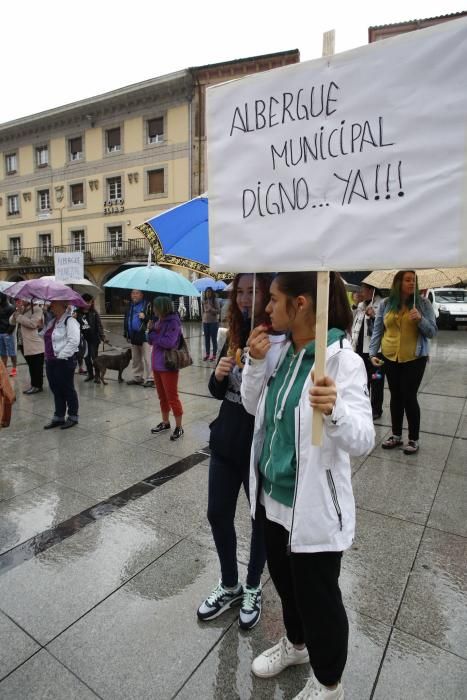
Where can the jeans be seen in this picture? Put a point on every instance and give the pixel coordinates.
(225, 480)
(61, 378)
(210, 334)
(312, 607)
(7, 345)
(404, 379)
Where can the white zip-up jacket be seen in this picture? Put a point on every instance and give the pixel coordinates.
(323, 511)
(65, 336)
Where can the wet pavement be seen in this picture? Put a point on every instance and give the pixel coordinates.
(105, 553)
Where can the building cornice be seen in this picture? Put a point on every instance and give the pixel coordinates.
(87, 113)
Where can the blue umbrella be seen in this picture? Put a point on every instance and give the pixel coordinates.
(180, 236)
(152, 278)
(205, 282)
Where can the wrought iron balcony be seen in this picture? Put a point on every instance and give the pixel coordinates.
(99, 252)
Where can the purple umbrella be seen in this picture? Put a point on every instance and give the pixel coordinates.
(48, 290)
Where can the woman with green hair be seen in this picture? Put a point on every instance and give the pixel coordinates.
(164, 334)
(404, 323)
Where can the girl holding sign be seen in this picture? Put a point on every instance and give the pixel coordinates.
(230, 443)
(303, 494)
(403, 325)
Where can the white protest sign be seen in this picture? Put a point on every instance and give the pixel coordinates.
(353, 161)
(69, 266)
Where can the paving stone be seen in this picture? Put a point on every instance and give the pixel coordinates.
(457, 460)
(43, 678)
(15, 647)
(396, 489)
(72, 577)
(115, 648)
(16, 478)
(38, 510)
(449, 511)
(434, 607)
(375, 569)
(417, 670)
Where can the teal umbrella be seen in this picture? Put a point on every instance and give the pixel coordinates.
(152, 278)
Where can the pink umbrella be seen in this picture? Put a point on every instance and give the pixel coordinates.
(48, 290)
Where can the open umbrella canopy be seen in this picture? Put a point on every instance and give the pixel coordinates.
(80, 285)
(432, 277)
(153, 278)
(181, 235)
(48, 290)
(206, 282)
(5, 285)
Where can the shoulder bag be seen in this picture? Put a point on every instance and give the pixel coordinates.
(178, 358)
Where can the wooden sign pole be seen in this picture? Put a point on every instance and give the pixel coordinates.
(322, 302)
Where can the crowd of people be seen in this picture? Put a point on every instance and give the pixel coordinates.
(301, 500)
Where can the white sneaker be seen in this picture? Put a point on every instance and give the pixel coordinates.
(274, 660)
(314, 690)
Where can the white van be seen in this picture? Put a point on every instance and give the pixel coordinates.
(449, 305)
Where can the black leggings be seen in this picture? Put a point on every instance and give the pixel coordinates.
(404, 380)
(36, 369)
(225, 481)
(312, 607)
(93, 348)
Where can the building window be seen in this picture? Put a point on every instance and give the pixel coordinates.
(113, 140)
(77, 194)
(114, 188)
(156, 130)
(13, 204)
(77, 240)
(11, 164)
(115, 237)
(43, 200)
(42, 156)
(156, 181)
(75, 148)
(45, 243)
(15, 246)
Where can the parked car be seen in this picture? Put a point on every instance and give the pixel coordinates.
(449, 305)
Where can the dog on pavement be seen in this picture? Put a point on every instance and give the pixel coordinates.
(114, 361)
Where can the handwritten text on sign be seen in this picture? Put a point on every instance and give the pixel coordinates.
(352, 161)
(69, 266)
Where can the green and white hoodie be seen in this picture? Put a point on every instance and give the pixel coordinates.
(323, 507)
(278, 462)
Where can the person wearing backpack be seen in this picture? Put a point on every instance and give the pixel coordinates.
(134, 330)
(61, 343)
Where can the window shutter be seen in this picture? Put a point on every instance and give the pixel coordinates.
(156, 181)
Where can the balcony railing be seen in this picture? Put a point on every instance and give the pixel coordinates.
(102, 251)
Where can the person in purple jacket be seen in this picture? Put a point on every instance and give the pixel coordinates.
(164, 334)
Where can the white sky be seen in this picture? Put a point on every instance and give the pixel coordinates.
(54, 52)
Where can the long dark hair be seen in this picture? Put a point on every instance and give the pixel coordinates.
(235, 317)
(295, 284)
(395, 295)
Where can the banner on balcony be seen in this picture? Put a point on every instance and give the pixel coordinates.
(353, 161)
(69, 266)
